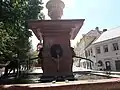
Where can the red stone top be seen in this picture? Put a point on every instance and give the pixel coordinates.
(52, 26)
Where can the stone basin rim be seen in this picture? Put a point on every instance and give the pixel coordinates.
(63, 84)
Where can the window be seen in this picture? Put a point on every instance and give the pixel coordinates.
(100, 63)
(88, 52)
(105, 47)
(115, 46)
(91, 51)
(98, 50)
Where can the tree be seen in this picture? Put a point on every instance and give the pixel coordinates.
(14, 34)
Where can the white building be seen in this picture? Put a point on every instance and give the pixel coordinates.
(106, 50)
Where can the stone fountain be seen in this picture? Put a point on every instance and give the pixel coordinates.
(56, 32)
(60, 32)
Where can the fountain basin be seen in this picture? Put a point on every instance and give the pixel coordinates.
(85, 81)
(103, 84)
(29, 78)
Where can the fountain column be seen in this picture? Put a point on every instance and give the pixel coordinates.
(56, 31)
(57, 34)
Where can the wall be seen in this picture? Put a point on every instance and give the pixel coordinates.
(85, 42)
(111, 55)
(92, 56)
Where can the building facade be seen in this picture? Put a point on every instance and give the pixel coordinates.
(80, 49)
(106, 51)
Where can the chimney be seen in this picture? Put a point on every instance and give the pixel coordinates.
(104, 30)
(97, 28)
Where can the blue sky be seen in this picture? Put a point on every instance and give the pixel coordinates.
(101, 13)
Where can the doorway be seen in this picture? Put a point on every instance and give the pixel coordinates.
(108, 66)
(117, 63)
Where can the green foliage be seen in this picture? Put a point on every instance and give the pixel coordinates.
(14, 34)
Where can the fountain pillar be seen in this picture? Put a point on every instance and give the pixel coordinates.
(56, 31)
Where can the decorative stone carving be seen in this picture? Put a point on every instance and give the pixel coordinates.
(55, 9)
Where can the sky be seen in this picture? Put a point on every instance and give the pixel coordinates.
(104, 14)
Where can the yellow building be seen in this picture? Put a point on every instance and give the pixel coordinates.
(80, 48)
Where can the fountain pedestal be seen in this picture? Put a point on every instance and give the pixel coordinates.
(58, 32)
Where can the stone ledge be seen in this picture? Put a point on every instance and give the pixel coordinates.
(103, 84)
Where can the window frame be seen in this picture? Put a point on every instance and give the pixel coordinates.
(105, 48)
(115, 46)
(98, 49)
